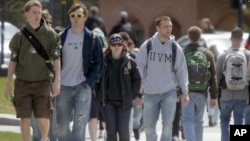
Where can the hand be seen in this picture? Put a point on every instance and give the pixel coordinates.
(185, 99)
(212, 103)
(7, 92)
(85, 85)
(139, 102)
(56, 88)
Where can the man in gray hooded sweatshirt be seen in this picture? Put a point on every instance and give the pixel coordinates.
(160, 77)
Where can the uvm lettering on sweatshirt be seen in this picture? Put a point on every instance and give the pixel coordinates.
(161, 57)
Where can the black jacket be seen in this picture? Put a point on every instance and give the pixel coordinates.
(130, 80)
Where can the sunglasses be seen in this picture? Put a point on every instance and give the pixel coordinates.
(76, 15)
(116, 44)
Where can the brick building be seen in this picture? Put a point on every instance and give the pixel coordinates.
(184, 13)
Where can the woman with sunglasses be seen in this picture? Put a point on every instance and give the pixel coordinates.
(119, 85)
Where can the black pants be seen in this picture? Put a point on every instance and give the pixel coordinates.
(177, 120)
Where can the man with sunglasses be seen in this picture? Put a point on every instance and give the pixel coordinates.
(82, 66)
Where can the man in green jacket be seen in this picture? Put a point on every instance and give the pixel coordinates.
(33, 83)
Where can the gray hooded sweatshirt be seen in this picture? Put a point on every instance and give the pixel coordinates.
(156, 67)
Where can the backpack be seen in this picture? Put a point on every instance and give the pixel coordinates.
(235, 69)
(197, 65)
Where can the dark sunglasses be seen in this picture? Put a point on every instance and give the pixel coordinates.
(76, 15)
(116, 44)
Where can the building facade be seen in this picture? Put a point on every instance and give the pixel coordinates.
(184, 13)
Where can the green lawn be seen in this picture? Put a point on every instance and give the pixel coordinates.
(7, 136)
(5, 105)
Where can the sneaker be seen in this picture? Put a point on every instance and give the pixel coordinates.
(100, 134)
(136, 134)
(175, 138)
(210, 121)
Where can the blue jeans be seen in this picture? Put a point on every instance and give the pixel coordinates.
(153, 104)
(36, 131)
(226, 109)
(117, 121)
(77, 100)
(247, 115)
(137, 116)
(192, 117)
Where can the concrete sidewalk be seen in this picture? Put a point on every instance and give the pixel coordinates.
(9, 123)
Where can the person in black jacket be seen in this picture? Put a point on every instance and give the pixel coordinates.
(124, 26)
(119, 85)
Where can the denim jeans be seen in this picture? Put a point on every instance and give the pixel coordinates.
(77, 100)
(153, 104)
(137, 116)
(53, 130)
(192, 117)
(226, 109)
(247, 115)
(117, 120)
(35, 128)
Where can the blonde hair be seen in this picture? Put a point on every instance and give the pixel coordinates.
(31, 3)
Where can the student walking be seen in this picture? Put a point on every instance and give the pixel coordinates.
(33, 83)
(119, 86)
(231, 69)
(202, 75)
(162, 67)
(82, 66)
(36, 136)
(124, 26)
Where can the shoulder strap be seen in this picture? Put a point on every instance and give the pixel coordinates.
(39, 49)
(35, 43)
(174, 46)
(149, 47)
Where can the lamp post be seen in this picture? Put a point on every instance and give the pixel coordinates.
(2, 33)
(240, 13)
(237, 4)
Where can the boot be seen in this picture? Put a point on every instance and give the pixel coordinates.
(136, 134)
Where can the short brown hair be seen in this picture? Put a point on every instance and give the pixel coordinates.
(161, 18)
(46, 15)
(31, 3)
(78, 5)
(194, 33)
(125, 36)
(237, 33)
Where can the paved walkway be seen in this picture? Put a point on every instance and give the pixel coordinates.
(8, 123)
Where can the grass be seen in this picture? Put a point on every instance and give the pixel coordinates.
(8, 136)
(6, 106)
